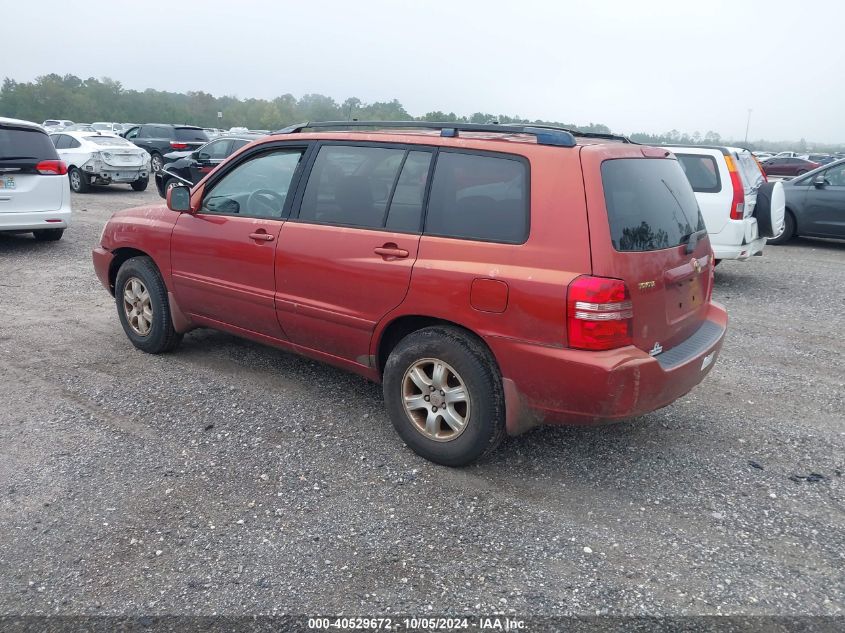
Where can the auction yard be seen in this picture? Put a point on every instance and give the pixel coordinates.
(233, 478)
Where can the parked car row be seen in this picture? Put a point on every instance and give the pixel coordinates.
(92, 158)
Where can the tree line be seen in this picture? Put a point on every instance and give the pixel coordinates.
(88, 100)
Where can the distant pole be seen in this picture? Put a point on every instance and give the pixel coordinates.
(747, 125)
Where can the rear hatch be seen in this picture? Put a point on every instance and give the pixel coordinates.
(189, 138)
(22, 188)
(647, 230)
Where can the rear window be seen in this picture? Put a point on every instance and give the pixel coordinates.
(108, 141)
(479, 197)
(702, 172)
(190, 134)
(650, 204)
(25, 143)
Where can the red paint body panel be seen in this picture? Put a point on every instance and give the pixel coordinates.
(489, 295)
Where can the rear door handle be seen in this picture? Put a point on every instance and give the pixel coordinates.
(262, 236)
(390, 251)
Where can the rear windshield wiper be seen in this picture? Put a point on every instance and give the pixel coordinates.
(691, 240)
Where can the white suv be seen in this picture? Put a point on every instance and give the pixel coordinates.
(34, 189)
(740, 208)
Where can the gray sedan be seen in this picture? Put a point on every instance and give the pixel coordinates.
(815, 204)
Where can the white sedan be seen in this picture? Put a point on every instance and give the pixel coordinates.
(101, 159)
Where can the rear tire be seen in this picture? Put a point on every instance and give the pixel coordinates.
(156, 162)
(48, 235)
(788, 231)
(143, 308)
(462, 417)
(801, 172)
(140, 184)
(79, 182)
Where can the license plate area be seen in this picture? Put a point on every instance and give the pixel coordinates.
(7, 183)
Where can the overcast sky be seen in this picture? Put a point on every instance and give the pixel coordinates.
(639, 65)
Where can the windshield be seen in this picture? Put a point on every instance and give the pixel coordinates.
(101, 126)
(650, 204)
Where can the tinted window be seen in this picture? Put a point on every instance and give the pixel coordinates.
(407, 201)
(351, 185)
(108, 141)
(18, 142)
(650, 203)
(62, 141)
(237, 144)
(72, 143)
(190, 134)
(479, 197)
(257, 188)
(701, 172)
(216, 150)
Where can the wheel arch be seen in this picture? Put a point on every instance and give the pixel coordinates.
(121, 255)
(401, 326)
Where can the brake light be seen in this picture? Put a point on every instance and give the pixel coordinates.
(52, 167)
(738, 203)
(177, 145)
(599, 313)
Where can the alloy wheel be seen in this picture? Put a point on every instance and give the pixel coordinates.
(436, 399)
(137, 306)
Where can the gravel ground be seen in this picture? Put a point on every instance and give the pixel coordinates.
(234, 478)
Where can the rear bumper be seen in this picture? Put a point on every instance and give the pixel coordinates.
(546, 385)
(120, 174)
(738, 239)
(35, 220)
(102, 262)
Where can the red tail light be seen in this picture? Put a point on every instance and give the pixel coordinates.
(52, 167)
(738, 203)
(177, 145)
(599, 313)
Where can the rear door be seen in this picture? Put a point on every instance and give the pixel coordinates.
(642, 211)
(345, 260)
(22, 188)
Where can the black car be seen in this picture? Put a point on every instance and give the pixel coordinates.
(160, 138)
(189, 168)
(815, 204)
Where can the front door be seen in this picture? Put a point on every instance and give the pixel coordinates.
(222, 255)
(345, 259)
(208, 157)
(824, 207)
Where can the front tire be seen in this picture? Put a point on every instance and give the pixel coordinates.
(78, 181)
(788, 231)
(48, 235)
(140, 184)
(443, 393)
(143, 308)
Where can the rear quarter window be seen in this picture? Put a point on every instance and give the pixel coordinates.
(702, 172)
(650, 204)
(479, 197)
(16, 142)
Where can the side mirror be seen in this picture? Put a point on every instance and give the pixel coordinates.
(179, 198)
(819, 181)
(195, 155)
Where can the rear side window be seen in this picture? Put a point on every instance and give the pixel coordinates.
(190, 134)
(479, 197)
(18, 142)
(650, 204)
(351, 186)
(702, 172)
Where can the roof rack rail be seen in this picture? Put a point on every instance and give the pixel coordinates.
(545, 135)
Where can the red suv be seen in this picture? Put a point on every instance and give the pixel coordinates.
(491, 277)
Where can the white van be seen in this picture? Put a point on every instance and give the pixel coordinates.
(34, 189)
(726, 182)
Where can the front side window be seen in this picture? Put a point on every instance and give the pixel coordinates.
(257, 188)
(217, 150)
(351, 185)
(479, 197)
(835, 176)
(701, 172)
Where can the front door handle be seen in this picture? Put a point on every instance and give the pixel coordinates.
(390, 251)
(262, 236)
